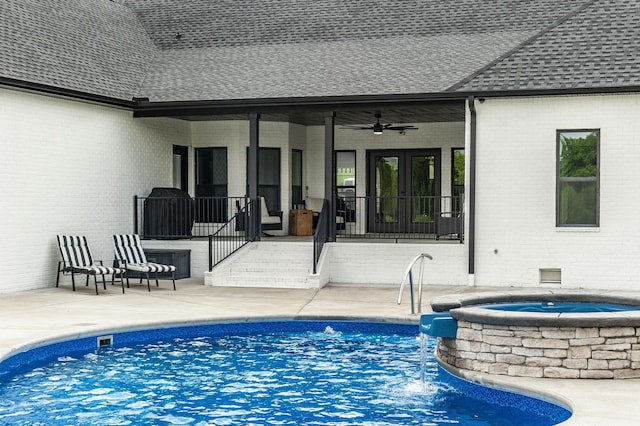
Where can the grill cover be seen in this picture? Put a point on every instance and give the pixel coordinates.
(168, 214)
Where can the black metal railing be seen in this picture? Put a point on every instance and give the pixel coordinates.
(321, 234)
(184, 217)
(228, 239)
(228, 222)
(400, 218)
(231, 222)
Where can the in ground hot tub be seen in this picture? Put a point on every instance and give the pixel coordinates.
(563, 307)
(539, 334)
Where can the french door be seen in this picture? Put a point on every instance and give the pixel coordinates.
(404, 190)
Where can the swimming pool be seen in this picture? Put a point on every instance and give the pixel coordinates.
(283, 372)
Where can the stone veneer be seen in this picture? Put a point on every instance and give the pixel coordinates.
(599, 345)
(556, 352)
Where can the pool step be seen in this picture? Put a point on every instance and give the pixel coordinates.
(266, 264)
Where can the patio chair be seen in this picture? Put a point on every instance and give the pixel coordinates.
(76, 258)
(130, 256)
(315, 205)
(269, 220)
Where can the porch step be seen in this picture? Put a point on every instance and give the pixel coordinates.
(266, 264)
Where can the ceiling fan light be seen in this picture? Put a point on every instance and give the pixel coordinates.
(377, 129)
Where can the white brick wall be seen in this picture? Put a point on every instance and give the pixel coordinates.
(516, 187)
(386, 263)
(72, 168)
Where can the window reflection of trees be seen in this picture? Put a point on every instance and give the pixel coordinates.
(578, 178)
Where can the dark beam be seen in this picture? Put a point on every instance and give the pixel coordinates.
(329, 167)
(252, 170)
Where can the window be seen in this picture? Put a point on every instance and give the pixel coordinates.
(346, 182)
(180, 167)
(268, 176)
(578, 178)
(457, 178)
(211, 181)
(296, 177)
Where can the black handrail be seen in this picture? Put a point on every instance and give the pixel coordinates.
(234, 234)
(321, 234)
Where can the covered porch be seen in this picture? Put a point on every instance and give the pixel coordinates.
(406, 185)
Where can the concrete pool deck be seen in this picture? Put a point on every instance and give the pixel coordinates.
(33, 317)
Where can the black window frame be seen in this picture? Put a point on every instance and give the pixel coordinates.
(272, 193)
(346, 203)
(457, 190)
(183, 153)
(561, 179)
(211, 210)
(297, 193)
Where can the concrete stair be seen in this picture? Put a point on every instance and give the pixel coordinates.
(266, 264)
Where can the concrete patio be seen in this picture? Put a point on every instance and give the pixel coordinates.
(35, 317)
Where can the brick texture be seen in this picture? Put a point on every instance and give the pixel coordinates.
(72, 168)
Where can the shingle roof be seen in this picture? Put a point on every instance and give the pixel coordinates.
(91, 46)
(229, 23)
(338, 68)
(244, 49)
(598, 47)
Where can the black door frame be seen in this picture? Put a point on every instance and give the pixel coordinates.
(404, 224)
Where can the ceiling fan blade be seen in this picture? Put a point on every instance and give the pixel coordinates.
(355, 127)
(401, 128)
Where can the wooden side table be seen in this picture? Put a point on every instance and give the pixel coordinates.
(301, 222)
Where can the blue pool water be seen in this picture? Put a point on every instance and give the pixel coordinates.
(567, 307)
(284, 373)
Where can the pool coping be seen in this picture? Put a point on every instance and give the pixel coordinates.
(465, 308)
(459, 300)
(95, 332)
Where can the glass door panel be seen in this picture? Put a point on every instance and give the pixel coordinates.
(422, 188)
(386, 189)
(404, 189)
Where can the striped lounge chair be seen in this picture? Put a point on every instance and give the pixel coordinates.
(76, 258)
(130, 256)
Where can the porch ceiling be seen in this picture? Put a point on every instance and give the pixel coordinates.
(435, 112)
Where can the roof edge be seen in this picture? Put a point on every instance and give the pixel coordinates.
(142, 107)
(572, 91)
(145, 108)
(240, 106)
(39, 88)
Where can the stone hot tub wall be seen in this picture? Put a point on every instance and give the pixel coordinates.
(599, 345)
(557, 352)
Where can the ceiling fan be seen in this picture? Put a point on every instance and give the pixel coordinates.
(378, 127)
